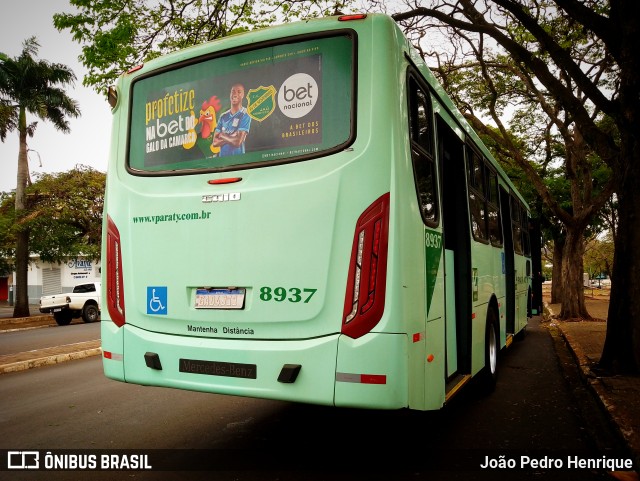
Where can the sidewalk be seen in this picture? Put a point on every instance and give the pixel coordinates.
(618, 395)
(41, 357)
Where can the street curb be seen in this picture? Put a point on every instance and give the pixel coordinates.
(22, 320)
(23, 365)
(46, 361)
(594, 383)
(577, 352)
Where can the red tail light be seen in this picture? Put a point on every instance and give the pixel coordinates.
(136, 68)
(364, 299)
(115, 286)
(347, 18)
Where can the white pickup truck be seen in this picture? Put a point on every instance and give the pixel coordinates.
(83, 301)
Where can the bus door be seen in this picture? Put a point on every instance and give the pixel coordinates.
(457, 254)
(508, 261)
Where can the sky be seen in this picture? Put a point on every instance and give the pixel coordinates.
(51, 150)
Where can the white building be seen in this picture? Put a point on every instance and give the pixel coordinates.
(46, 278)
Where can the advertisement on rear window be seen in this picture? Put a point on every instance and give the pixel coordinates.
(274, 103)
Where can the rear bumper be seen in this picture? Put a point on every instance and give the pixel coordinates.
(372, 371)
(48, 309)
(314, 384)
(334, 370)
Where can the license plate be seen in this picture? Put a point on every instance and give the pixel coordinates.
(216, 368)
(220, 298)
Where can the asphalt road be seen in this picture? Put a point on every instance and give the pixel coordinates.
(27, 340)
(538, 409)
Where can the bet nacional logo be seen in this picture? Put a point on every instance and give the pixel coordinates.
(298, 95)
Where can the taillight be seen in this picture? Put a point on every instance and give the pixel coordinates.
(115, 287)
(364, 299)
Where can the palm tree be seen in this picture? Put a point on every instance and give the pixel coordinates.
(28, 85)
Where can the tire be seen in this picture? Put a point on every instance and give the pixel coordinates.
(62, 318)
(90, 313)
(489, 374)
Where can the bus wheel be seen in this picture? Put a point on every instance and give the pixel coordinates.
(489, 374)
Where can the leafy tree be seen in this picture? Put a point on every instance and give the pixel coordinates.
(118, 34)
(7, 242)
(63, 216)
(541, 140)
(30, 86)
(601, 85)
(598, 257)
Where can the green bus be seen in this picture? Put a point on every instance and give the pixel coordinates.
(300, 213)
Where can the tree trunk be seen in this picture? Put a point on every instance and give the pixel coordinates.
(556, 282)
(21, 308)
(621, 351)
(573, 306)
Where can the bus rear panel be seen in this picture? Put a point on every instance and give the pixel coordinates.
(228, 271)
(262, 230)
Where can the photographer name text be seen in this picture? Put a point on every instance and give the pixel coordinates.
(546, 462)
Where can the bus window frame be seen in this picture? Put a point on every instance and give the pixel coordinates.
(526, 238)
(492, 173)
(472, 153)
(286, 40)
(418, 152)
(517, 209)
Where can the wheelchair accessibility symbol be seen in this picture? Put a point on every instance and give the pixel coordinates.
(157, 300)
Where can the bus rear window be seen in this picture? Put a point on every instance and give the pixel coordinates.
(284, 102)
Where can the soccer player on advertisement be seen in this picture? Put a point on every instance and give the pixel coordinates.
(233, 125)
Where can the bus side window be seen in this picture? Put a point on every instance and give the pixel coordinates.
(526, 240)
(516, 213)
(421, 135)
(493, 203)
(477, 197)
